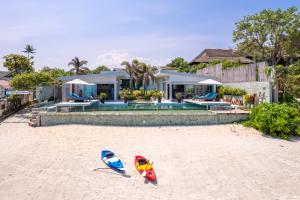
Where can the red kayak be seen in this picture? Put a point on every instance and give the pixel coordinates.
(144, 167)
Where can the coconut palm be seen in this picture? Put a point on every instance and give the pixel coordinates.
(29, 50)
(78, 66)
(130, 68)
(145, 74)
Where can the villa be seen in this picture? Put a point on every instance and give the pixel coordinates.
(169, 82)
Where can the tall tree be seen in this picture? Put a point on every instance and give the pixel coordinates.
(269, 34)
(29, 50)
(17, 64)
(99, 69)
(130, 68)
(78, 66)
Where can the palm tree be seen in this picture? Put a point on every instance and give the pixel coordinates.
(145, 74)
(29, 50)
(78, 66)
(130, 69)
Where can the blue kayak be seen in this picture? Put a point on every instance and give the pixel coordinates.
(112, 160)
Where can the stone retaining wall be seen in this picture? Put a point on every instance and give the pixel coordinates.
(138, 119)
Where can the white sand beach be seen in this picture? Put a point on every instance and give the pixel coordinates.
(201, 162)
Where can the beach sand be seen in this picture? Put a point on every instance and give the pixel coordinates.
(199, 162)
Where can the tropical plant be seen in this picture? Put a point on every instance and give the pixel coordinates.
(17, 64)
(99, 69)
(179, 97)
(138, 93)
(227, 90)
(275, 119)
(127, 95)
(144, 73)
(78, 66)
(130, 68)
(102, 96)
(29, 50)
(157, 95)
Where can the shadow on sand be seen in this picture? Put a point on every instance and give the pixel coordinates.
(146, 181)
(113, 171)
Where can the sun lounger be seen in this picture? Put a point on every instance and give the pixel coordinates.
(208, 96)
(77, 98)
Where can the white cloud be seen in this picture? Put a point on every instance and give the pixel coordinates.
(113, 59)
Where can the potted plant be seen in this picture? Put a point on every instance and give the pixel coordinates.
(158, 95)
(103, 97)
(190, 92)
(179, 97)
(127, 95)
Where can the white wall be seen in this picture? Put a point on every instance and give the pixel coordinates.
(258, 88)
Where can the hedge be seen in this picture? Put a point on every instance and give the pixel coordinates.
(275, 119)
(226, 90)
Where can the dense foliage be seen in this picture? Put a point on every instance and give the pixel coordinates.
(269, 34)
(17, 64)
(226, 90)
(183, 66)
(99, 69)
(55, 72)
(29, 81)
(287, 79)
(127, 94)
(275, 119)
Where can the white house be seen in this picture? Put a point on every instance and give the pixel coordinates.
(169, 82)
(110, 82)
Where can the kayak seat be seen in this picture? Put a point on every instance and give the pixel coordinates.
(142, 161)
(109, 155)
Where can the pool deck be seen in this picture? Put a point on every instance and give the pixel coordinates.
(76, 104)
(207, 103)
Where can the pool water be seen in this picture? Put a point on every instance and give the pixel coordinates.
(144, 106)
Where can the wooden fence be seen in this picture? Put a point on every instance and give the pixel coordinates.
(246, 73)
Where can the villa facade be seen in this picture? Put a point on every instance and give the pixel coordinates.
(169, 82)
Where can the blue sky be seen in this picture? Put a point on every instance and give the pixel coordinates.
(110, 31)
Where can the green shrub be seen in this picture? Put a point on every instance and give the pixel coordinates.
(103, 96)
(230, 91)
(137, 93)
(15, 100)
(127, 94)
(147, 97)
(275, 119)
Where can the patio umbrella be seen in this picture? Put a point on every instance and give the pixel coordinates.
(209, 82)
(77, 82)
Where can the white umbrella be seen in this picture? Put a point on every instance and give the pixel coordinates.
(209, 82)
(77, 82)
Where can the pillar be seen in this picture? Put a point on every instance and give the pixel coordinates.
(115, 91)
(214, 88)
(170, 85)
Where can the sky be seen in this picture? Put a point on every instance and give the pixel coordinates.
(107, 32)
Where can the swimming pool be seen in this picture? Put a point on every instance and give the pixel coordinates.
(142, 107)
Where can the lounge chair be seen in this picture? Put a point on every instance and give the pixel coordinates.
(201, 97)
(208, 97)
(77, 98)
